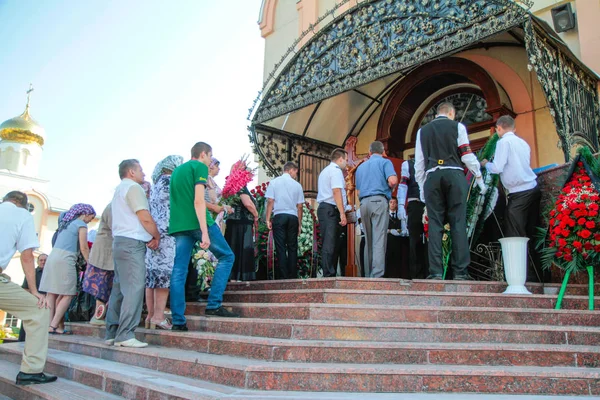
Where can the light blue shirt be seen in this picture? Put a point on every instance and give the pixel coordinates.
(372, 177)
(287, 193)
(68, 238)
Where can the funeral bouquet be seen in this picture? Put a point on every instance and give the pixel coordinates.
(573, 236)
(240, 176)
(308, 242)
(205, 263)
(572, 239)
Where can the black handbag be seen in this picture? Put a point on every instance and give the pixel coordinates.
(83, 304)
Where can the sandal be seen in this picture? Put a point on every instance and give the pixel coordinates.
(165, 325)
(54, 332)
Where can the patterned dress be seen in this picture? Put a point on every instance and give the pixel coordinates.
(159, 262)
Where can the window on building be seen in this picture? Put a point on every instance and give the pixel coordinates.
(11, 321)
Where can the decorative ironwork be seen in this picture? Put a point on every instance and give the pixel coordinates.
(571, 92)
(380, 37)
(493, 269)
(275, 149)
(470, 109)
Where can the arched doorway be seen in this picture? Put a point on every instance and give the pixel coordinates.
(478, 98)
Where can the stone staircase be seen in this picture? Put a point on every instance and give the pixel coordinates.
(347, 335)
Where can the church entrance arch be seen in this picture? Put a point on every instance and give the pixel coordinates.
(475, 94)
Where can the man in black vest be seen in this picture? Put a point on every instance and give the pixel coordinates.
(409, 194)
(441, 149)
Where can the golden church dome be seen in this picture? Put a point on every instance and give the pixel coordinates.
(23, 129)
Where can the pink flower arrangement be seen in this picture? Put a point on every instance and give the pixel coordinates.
(241, 174)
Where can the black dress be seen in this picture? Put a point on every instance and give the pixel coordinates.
(239, 236)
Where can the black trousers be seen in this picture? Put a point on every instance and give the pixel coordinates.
(522, 217)
(446, 197)
(329, 222)
(342, 250)
(362, 255)
(418, 258)
(285, 235)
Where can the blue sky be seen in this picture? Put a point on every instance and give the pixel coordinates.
(129, 79)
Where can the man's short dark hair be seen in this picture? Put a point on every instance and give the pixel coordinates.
(376, 147)
(16, 197)
(127, 165)
(445, 108)
(394, 198)
(290, 165)
(200, 148)
(506, 122)
(338, 153)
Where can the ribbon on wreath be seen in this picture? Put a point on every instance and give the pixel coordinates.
(315, 250)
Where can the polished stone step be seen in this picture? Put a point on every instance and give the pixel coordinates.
(62, 389)
(157, 379)
(365, 312)
(402, 284)
(136, 379)
(389, 331)
(323, 351)
(406, 298)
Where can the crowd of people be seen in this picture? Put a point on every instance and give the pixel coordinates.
(146, 235)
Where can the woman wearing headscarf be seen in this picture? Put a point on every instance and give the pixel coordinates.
(159, 262)
(100, 270)
(59, 279)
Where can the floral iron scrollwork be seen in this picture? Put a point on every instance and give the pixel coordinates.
(272, 149)
(380, 37)
(570, 92)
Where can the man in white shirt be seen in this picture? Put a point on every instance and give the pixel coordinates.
(512, 162)
(285, 200)
(17, 233)
(133, 230)
(331, 212)
(442, 148)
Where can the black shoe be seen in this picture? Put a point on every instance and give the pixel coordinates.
(435, 277)
(463, 278)
(182, 328)
(34, 379)
(221, 312)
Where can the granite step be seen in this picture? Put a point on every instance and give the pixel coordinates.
(402, 284)
(162, 377)
(319, 351)
(387, 331)
(129, 380)
(64, 388)
(365, 312)
(406, 298)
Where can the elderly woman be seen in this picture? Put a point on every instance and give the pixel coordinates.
(99, 273)
(159, 262)
(59, 279)
(239, 232)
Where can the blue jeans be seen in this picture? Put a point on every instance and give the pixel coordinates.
(184, 243)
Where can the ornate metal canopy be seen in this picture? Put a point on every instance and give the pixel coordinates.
(360, 55)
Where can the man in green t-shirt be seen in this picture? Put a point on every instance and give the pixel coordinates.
(189, 222)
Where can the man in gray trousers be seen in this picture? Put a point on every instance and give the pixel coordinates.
(133, 230)
(375, 181)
